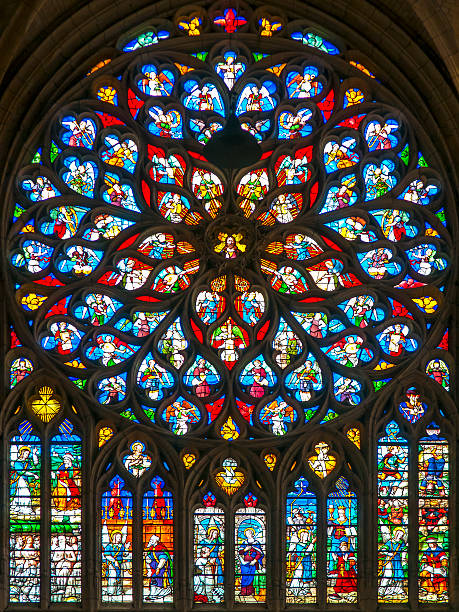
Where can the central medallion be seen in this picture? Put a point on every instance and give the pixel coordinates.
(230, 246)
(230, 238)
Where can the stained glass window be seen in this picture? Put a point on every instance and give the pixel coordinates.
(209, 553)
(158, 543)
(24, 512)
(116, 542)
(65, 464)
(433, 469)
(190, 338)
(342, 548)
(301, 561)
(393, 516)
(250, 550)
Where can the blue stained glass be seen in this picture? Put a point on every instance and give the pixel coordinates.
(81, 175)
(317, 42)
(301, 528)
(203, 97)
(166, 123)
(379, 179)
(153, 379)
(294, 125)
(39, 189)
(156, 82)
(78, 132)
(255, 97)
(305, 84)
(304, 380)
(146, 39)
(65, 221)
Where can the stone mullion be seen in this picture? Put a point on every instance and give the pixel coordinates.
(321, 558)
(137, 548)
(45, 524)
(89, 514)
(230, 566)
(183, 552)
(275, 538)
(368, 535)
(413, 531)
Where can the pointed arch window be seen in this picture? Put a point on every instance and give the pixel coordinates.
(45, 481)
(137, 530)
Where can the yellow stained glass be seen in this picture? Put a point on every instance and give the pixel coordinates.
(276, 69)
(229, 479)
(46, 406)
(229, 430)
(322, 463)
(354, 96)
(189, 459)
(182, 68)
(362, 68)
(268, 28)
(33, 301)
(270, 460)
(241, 283)
(427, 304)
(107, 94)
(218, 284)
(192, 27)
(105, 433)
(354, 435)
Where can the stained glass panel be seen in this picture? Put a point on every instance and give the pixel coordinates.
(342, 549)
(250, 553)
(433, 466)
(208, 304)
(66, 514)
(209, 551)
(301, 561)
(158, 543)
(25, 514)
(116, 557)
(392, 516)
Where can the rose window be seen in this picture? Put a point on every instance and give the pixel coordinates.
(179, 294)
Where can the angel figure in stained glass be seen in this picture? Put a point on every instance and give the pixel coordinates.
(115, 554)
(230, 69)
(82, 132)
(181, 415)
(20, 369)
(208, 304)
(228, 338)
(303, 86)
(81, 177)
(156, 84)
(254, 98)
(199, 380)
